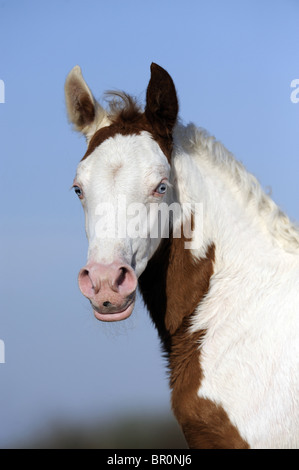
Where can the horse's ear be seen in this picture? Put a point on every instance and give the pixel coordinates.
(83, 110)
(161, 101)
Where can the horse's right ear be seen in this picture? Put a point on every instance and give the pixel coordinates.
(83, 110)
(161, 101)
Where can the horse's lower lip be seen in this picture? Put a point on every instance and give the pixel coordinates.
(116, 316)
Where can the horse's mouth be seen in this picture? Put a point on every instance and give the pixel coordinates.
(112, 313)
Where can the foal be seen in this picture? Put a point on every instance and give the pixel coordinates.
(224, 296)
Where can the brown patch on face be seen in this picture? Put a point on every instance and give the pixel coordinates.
(158, 119)
(133, 126)
(173, 285)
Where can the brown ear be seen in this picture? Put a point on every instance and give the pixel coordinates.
(161, 101)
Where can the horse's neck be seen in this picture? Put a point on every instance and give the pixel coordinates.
(225, 183)
(236, 230)
(247, 259)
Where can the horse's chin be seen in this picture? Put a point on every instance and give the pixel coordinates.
(115, 316)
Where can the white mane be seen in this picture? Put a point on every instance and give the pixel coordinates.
(194, 139)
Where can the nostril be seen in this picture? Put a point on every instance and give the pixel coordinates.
(86, 284)
(83, 277)
(124, 281)
(122, 276)
(119, 279)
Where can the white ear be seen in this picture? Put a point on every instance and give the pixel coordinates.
(84, 111)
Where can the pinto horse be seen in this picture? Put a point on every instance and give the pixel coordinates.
(224, 296)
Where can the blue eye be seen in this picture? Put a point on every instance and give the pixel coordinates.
(161, 188)
(78, 191)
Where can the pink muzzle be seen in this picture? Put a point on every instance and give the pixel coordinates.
(111, 289)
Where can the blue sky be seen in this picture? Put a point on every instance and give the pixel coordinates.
(232, 63)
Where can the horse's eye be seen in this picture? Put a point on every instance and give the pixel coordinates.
(161, 188)
(78, 191)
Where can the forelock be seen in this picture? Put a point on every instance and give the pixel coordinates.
(127, 118)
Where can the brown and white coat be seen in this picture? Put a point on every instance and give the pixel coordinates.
(226, 309)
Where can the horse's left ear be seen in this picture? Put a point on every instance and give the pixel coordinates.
(83, 110)
(161, 101)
